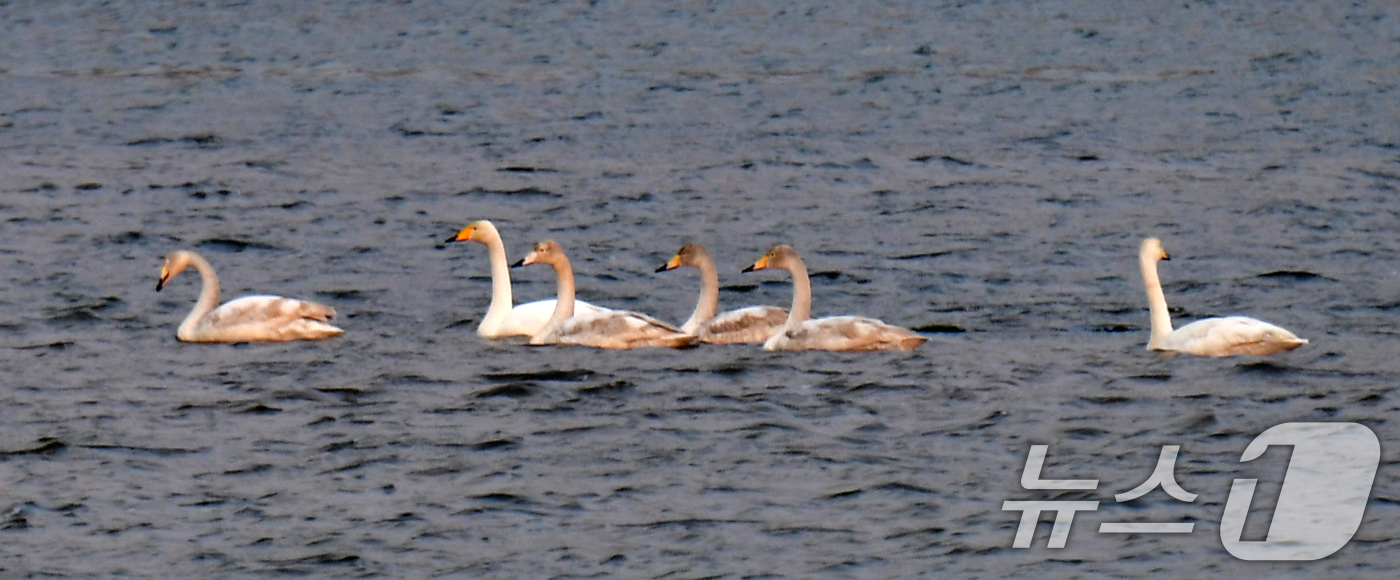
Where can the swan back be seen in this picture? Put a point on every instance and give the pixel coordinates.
(529, 318)
(615, 330)
(1229, 336)
(844, 333)
(751, 324)
(263, 319)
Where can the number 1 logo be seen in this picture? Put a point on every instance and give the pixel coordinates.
(1323, 497)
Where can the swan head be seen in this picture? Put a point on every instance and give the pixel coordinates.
(175, 262)
(546, 252)
(688, 255)
(1152, 251)
(478, 231)
(782, 257)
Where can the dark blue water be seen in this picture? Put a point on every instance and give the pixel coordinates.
(983, 172)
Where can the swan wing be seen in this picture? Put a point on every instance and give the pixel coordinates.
(619, 330)
(1229, 336)
(845, 333)
(266, 319)
(752, 324)
(529, 318)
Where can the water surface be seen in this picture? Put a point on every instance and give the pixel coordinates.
(983, 172)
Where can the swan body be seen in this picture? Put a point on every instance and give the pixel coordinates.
(256, 318)
(845, 333)
(502, 319)
(752, 324)
(614, 329)
(1228, 336)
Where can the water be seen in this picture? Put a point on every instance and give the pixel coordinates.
(981, 171)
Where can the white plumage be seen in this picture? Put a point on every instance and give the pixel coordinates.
(1228, 336)
(502, 319)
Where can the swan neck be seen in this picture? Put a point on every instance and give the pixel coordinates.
(564, 306)
(501, 300)
(801, 296)
(709, 297)
(1156, 302)
(208, 296)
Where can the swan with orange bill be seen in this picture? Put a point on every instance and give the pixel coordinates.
(504, 318)
(842, 333)
(751, 324)
(613, 329)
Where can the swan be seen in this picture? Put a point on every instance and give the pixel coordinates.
(1209, 337)
(609, 329)
(749, 324)
(851, 333)
(247, 319)
(501, 318)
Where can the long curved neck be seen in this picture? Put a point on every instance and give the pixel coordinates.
(208, 296)
(501, 301)
(1156, 301)
(709, 296)
(564, 306)
(801, 295)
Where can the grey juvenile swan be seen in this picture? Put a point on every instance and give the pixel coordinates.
(832, 333)
(610, 329)
(749, 324)
(247, 319)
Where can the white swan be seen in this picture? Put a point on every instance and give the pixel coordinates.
(1209, 337)
(609, 329)
(749, 324)
(832, 333)
(247, 319)
(501, 318)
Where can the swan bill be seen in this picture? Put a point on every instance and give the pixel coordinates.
(761, 264)
(464, 235)
(672, 264)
